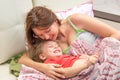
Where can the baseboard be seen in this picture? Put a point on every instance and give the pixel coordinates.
(108, 16)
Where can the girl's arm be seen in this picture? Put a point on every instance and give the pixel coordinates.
(75, 69)
(93, 25)
(51, 70)
(84, 62)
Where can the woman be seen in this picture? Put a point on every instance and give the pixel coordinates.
(42, 24)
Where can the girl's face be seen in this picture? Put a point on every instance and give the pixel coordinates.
(50, 33)
(51, 49)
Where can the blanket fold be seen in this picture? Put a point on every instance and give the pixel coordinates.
(15, 67)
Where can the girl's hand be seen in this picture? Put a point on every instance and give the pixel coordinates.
(94, 58)
(53, 71)
(90, 59)
(84, 56)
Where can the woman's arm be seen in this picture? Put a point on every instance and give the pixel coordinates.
(93, 25)
(51, 70)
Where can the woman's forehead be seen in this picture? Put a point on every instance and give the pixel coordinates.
(42, 28)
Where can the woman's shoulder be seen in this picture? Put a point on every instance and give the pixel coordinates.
(78, 16)
(63, 21)
(71, 17)
(77, 19)
(75, 15)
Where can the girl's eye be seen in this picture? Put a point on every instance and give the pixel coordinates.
(50, 46)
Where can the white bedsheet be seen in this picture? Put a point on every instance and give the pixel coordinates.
(5, 73)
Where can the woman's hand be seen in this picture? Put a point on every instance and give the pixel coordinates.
(52, 70)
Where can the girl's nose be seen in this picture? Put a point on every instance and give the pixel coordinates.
(46, 37)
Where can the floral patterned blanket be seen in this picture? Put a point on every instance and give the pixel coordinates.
(107, 68)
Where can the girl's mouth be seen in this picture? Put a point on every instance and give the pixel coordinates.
(56, 51)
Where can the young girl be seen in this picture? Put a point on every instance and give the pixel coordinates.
(50, 52)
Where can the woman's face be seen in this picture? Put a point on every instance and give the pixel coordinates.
(51, 49)
(49, 33)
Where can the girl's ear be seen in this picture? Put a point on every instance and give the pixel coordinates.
(42, 57)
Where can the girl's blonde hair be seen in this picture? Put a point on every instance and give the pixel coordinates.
(35, 51)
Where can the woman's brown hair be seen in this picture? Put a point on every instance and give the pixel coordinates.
(38, 17)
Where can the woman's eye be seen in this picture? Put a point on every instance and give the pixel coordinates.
(47, 31)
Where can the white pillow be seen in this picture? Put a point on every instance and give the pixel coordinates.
(12, 33)
(72, 6)
(85, 8)
(59, 5)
